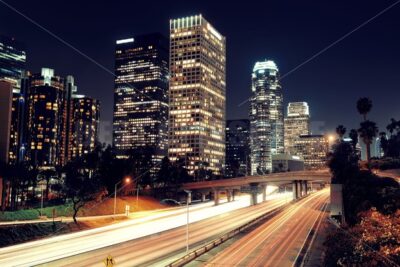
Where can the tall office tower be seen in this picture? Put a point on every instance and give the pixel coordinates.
(296, 123)
(237, 161)
(197, 94)
(266, 117)
(141, 96)
(313, 149)
(47, 111)
(12, 60)
(5, 120)
(70, 90)
(12, 67)
(86, 118)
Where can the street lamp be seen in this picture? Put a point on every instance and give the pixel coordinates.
(127, 181)
(189, 195)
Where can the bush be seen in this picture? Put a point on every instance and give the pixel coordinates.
(32, 214)
(19, 215)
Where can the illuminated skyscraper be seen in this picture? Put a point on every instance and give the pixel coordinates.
(47, 119)
(266, 117)
(5, 120)
(86, 118)
(141, 95)
(12, 60)
(197, 94)
(313, 149)
(297, 123)
(12, 68)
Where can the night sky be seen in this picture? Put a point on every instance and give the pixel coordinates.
(367, 63)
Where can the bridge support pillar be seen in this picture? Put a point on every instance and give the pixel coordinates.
(229, 195)
(254, 190)
(299, 188)
(233, 194)
(203, 197)
(264, 192)
(305, 187)
(294, 189)
(216, 197)
(253, 198)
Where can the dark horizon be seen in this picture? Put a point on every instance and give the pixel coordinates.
(363, 64)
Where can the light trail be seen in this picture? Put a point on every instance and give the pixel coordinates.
(140, 232)
(277, 241)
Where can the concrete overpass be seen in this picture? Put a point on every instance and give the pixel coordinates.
(255, 185)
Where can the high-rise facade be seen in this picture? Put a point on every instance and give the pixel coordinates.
(237, 162)
(12, 69)
(141, 96)
(296, 123)
(47, 119)
(86, 116)
(313, 149)
(197, 94)
(5, 120)
(12, 60)
(266, 117)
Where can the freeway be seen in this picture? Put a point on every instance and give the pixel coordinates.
(277, 242)
(140, 241)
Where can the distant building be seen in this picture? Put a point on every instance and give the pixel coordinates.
(197, 94)
(6, 97)
(266, 117)
(141, 96)
(86, 116)
(313, 149)
(237, 161)
(287, 163)
(12, 60)
(296, 123)
(375, 148)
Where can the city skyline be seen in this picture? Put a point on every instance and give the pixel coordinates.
(299, 86)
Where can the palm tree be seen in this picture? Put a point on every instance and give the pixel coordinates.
(384, 142)
(368, 130)
(354, 138)
(364, 106)
(340, 130)
(392, 126)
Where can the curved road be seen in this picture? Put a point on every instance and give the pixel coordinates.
(138, 242)
(278, 241)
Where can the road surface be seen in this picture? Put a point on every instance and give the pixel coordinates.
(278, 241)
(140, 241)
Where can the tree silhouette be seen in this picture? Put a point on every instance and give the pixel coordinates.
(340, 130)
(368, 130)
(354, 138)
(364, 106)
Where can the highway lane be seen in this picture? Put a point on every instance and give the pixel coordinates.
(149, 237)
(278, 241)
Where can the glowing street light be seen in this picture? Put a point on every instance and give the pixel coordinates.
(127, 180)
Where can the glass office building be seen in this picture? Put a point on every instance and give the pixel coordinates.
(237, 148)
(197, 94)
(47, 117)
(297, 123)
(86, 116)
(12, 60)
(141, 96)
(266, 117)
